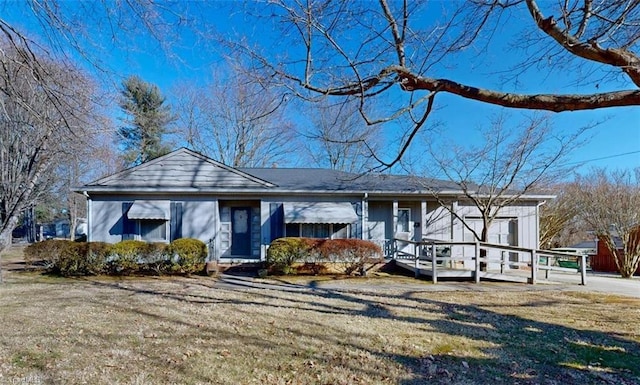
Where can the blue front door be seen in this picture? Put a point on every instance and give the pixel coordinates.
(241, 231)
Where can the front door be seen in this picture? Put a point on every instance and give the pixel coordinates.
(241, 231)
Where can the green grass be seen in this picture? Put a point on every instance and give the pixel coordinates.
(371, 331)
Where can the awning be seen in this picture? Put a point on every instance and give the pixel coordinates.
(319, 212)
(149, 210)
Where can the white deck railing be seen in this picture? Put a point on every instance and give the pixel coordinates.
(455, 255)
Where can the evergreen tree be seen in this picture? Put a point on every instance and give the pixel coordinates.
(147, 121)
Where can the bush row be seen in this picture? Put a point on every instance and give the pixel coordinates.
(310, 255)
(67, 258)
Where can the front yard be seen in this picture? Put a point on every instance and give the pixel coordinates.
(235, 330)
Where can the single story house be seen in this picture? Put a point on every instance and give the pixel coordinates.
(239, 211)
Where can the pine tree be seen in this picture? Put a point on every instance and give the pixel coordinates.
(147, 121)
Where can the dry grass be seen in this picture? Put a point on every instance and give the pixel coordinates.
(235, 330)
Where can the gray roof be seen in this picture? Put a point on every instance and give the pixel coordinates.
(185, 171)
(181, 169)
(317, 179)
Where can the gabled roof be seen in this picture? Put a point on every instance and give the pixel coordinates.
(186, 171)
(181, 169)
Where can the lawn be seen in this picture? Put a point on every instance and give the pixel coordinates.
(237, 330)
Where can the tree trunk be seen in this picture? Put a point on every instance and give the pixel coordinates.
(5, 238)
(484, 237)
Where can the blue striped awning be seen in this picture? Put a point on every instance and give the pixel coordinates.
(149, 210)
(319, 212)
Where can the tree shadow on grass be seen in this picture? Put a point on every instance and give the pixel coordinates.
(508, 348)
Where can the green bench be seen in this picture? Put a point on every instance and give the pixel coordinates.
(569, 264)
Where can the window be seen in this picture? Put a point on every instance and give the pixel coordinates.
(153, 230)
(404, 216)
(317, 230)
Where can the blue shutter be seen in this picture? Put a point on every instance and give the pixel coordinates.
(176, 221)
(276, 220)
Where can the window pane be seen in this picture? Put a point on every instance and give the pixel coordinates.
(321, 230)
(307, 230)
(153, 230)
(403, 220)
(292, 230)
(315, 230)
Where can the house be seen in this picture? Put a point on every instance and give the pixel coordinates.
(604, 260)
(239, 211)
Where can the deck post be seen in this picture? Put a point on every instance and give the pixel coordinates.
(583, 269)
(477, 252)
(502, 261)
(434, 264)
(394, 249)
(546, 272)
(534, 267)
(416, 260)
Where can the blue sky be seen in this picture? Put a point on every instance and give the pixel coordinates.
(614, 143)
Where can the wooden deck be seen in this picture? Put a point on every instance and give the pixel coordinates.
(425, 270)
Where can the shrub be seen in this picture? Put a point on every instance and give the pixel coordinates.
(284, 252)
(354, 254)
(45, 253)
(74, 260)
(188, 255)
(124, 257)
(313, 255)
(154, 257)
(96, 255)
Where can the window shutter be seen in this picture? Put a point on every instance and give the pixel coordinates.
(176, 220)
(128, 226)
(276, 220)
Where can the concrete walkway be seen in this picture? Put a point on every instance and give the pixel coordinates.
(600, 283)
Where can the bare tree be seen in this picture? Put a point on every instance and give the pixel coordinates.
(394, 51)
(237, 120)
(509, 163)
(45, 109)
(610, 203)
(560, 224)
(338, 139)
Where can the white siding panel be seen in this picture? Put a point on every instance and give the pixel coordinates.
(438, 223)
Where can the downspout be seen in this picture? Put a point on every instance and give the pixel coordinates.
(89, 216)
(365, 214)
(538, 223)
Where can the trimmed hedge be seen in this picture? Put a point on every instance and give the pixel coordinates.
(46, 253)
(126, 257)
(188, 255)
(309, 255)
(67, 258)
(284, 252)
